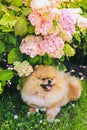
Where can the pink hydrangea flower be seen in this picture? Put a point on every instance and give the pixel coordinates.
(44, 4)
(53, 46)
(42, 22)
(43, 28)
(67, 21)
(30, 45)
(35, 45)
(80, 21)
(35, 18)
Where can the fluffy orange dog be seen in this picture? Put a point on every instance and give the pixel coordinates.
(50, 88)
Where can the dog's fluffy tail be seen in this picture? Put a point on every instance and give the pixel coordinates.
(75, 88)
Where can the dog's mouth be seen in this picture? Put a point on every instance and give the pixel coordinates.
(46, 87)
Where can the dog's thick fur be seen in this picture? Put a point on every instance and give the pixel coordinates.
(50, 88)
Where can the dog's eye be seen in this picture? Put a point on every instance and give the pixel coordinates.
(43, 78)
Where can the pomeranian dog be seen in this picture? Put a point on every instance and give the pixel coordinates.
(49, 88)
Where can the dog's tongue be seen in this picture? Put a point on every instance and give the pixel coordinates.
(48, 87)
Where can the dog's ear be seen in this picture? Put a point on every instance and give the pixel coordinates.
(36, 67)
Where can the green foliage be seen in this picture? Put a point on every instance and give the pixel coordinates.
(30, 29)
(7, 22)
(14, 55)
(6, 75)
(80, 4)
(68, 50)
(9, 53)
(35, 60)
(13, 17)
(12, 39)
(26, 11)
(47, 60)
(54, 22)
(2, 47)
(17, 3)
(79, 43)
(21, 26)
(1, 35)
(1, 90)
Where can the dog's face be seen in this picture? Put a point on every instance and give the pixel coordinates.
(46, 75)
(46, 83)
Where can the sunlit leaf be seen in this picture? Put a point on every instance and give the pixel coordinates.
(7, 22)
(68, 50)
(31, 29)
(26, 11)
(47, 60)
(14, 55)
(17, 3)
(6, 75)
(21, 26)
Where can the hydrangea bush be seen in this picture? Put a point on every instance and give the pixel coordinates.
(37, 32)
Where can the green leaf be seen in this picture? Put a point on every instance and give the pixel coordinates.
(20, 84)
(36, 60)
(6, 75)
(26, 11)
(1, 89)
(1, 56)
(7, 19)
(62, 67)
(47, 60)
(31, 29)
(12, 39)
(77, 37)
(54, 22)
(2, 84)
(3, 8)
(68, 50)
(1, 69)
(21, 26)
(17, 3)
(2, 47)
(14, 8)
(2, 35)
(5, 29)
(9, 1)
(27, 3)
(14, 55)
(7, 22)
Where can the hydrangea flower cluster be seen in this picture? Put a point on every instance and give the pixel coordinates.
(43, 15)
(53, 27)
(30, 45)
(78, 19)
(23, 69)
(36, 45)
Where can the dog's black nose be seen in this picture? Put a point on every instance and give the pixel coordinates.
(49, 81)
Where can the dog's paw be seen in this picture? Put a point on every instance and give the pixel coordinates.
(50, 117)
(32, 110)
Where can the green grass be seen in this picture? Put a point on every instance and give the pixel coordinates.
(13, 115)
